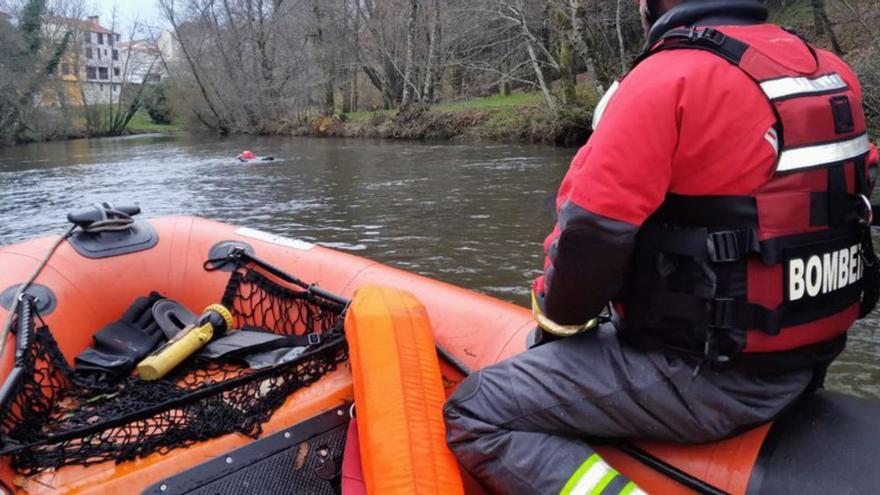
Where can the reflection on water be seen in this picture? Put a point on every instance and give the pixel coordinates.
(472, 215)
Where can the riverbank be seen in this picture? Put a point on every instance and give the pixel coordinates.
(142, 124)
(520, 118)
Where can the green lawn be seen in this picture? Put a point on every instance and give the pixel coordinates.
(491, 102)
(496, 102)
(366, 115)
(141, 124)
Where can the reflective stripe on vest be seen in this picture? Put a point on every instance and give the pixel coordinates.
(823, 154)
(786, 87)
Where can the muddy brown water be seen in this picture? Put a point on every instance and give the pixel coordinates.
(472, 215)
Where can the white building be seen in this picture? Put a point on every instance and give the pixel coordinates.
(93, 62)
(102, 70)
(141, 62)
(169, 47)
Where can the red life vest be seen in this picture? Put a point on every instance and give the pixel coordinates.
(789, 266)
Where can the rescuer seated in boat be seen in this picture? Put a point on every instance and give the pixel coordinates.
(720, 207)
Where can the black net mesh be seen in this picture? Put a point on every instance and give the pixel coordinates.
(56, 420)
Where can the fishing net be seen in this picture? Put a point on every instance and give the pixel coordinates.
(56, 419)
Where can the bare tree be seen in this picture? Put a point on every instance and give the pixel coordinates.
(623, 59)
(823, 24)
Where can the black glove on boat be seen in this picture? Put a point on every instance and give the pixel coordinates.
(120, 345)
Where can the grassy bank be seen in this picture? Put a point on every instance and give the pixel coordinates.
(142, 124)
(520, 117)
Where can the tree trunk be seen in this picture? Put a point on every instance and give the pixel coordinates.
(539, 75)
(407, 97)
(355, 73)
(577, 34)
(566, 72)
(624, 62)
(823, 25)
(433, 54)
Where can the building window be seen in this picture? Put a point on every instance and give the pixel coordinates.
(116, 71)
(103, 73)
(91, 73)
(98, 51)
(152, 78)
(115, 88)
(100, 38)
(88, 53)
(115, 54)
(118, 37)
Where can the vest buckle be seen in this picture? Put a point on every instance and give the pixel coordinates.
(710, 35)
(722, 313)
(724, 246)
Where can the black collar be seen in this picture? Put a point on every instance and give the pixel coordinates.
(708, 13)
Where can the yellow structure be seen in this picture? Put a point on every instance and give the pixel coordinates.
(90, 72)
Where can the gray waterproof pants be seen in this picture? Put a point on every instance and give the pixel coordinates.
(518, 426)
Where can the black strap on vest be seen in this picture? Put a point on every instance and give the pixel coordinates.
(708, 39)
(871, 274)
(727, 313)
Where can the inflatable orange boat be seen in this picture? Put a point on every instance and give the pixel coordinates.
(218, 427)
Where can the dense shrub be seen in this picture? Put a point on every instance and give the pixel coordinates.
(157, 105)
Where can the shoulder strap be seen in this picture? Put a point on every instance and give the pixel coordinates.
(708, 39)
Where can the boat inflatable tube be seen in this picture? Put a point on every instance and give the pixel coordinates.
(399, 395)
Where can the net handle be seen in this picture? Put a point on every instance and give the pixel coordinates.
(239, 257)
(23, 340)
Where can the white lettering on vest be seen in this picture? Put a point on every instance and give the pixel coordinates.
(843, 269)
(825, 273)
(796, 279)
(854, 264)
(814, 276)
(829, 279)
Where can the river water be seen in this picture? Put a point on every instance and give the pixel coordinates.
(472, 215)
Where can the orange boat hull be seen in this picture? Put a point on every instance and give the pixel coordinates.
(477, 329)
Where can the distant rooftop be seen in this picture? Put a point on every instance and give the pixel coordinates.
(90, 25)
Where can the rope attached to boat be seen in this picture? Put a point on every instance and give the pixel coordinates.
(113, 221)
(22, 289)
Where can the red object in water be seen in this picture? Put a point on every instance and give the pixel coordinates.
(247, 155)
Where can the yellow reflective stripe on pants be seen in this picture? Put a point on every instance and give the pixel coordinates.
(580, 473)
(591, 478)
(604, 482)
(632, 489)
(594, 476)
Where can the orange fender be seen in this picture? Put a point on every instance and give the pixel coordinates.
(399, 395)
